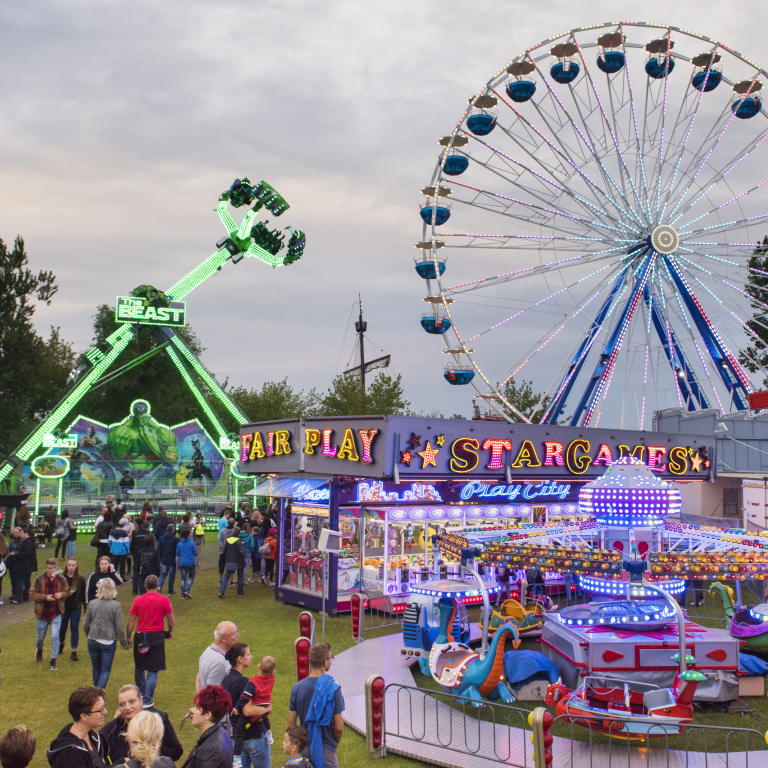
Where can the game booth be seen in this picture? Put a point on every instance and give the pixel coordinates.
(391, 484)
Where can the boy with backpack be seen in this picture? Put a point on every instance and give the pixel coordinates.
(199, 530)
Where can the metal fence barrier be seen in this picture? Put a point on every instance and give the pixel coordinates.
(504, 734)
(664, 747)
(374, 612)
(496, 732)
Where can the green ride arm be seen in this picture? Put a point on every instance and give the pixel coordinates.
(199, 275)
(218, 426)
(119, 341)
(245, 225)
(203, 373)
(226, 219)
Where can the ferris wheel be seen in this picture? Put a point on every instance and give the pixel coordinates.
(601, 197)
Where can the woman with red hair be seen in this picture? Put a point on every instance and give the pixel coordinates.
(214, 747)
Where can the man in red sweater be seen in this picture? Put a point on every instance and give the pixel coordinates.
(147, 616)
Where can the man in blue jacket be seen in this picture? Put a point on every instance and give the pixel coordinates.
(187, 560)
(167, 549)
(318, 704)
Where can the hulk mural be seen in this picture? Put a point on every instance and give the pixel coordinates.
(139, 452)
(141, 441)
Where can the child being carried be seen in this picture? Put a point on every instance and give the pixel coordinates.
(258, 691)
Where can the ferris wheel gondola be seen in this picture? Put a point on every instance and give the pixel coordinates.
(602, 204)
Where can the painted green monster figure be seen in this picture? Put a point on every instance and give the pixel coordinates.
(141, 441)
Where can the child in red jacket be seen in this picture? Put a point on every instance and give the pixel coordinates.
(258, 690)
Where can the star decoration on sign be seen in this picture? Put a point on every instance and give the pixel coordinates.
(696, 462)
(405, 457)
(415, 440)
(428, 456)
(440, 440)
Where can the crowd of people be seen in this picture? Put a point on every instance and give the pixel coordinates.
(134, 547)
(231, 710)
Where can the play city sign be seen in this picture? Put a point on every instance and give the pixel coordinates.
(538, 463)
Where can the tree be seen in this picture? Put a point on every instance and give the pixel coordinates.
(346, 397)
(528, 402)
(33, 371)
(755, 356)
(276, 400)
(156, 379)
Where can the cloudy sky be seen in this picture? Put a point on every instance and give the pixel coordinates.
(122, 122)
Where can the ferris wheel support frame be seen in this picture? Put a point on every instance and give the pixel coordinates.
(560, 157)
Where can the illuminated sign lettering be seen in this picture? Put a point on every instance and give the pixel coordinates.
(529, 491)
(130, 309)
(305, 492)
(321, 441)
(252, 445)
(374, 491)
(51, 441)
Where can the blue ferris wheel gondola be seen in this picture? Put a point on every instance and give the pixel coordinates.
(481, 124)
(437, 324)
(455, 165)
(564, 72)
(521, 90)
(656, 67)
(611, 62)
(441, 216)
(744, 108)
(747, 101)
(427, 270)
(706, 80)
(708, 73)
(458, 376)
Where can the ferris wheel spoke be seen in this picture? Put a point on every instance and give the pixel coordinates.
(543, 216)
(526, 272)
(659, 166)
(551, 296)
(561, 188)
(691, 336)
(723, 205)
(588, 144)
(726, 226)
(640, 160)
(554, 330)
(599, 384)
(704, 162)
(715, 258)
(681, 153)
(568, 166)
(720, 175)
(612, 132)
(686, 381)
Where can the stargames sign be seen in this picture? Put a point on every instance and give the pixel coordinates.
(130, 309)
(423, 448)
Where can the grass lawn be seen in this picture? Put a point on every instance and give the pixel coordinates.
(33, 695)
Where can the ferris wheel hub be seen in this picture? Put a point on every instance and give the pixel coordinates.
(664, 239)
